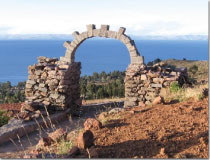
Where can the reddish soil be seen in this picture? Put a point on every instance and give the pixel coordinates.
(162, 131)
(11, 107)
(177, 130)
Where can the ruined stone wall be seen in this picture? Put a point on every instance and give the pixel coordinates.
(53, 83)
(143, 83)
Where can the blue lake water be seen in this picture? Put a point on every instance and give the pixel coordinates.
(95, 55)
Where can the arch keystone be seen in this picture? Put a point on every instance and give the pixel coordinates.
(90, 28)
(112, 34)
(103, 30)
(96, 32)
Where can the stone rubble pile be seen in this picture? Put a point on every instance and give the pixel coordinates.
(144, 83)
(53, 83)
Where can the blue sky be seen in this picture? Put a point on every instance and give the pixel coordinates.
(140, 17)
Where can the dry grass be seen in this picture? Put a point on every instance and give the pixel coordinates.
(201, 74)
(109, 117)
(94, 101)
(183, 93)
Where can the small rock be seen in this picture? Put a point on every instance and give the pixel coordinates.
(23, 115)
(36, 115)
(115, 110)
(103, 115)
(27, 107)
(92, 123)
(29, 156)
(162, 151)
(85, 139)
(93, 152)
(58, 135)
(43, 142)
(158, 100)
(132, 112)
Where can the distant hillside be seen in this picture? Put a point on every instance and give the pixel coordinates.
(200, 74)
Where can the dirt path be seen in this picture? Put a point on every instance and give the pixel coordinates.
(18, 148)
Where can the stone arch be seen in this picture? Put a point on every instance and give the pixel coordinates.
(104, 31)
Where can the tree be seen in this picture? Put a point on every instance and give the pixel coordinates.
(95, 76)
(150, 63)
(100, 93)
(157, 60)
(21, 85)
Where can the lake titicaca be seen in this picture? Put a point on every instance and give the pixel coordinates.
(95, 55)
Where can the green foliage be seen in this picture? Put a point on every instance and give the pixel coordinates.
(151, 63)
(12, 94)
(175, 87)
(3, 118)
(102, 85)
(63, 147)
(193, 69)
(157, 60)
(201, 97)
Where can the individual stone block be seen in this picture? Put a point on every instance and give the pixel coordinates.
(121, 30)
(137, 60)
(75, 34)
(90, 29)
(143, 77)
(112, 34)
(103, 31)
(125, 39)
(158, 80)
(96, 32)
(84, 35)
(156, 85)
(31, 82)
(67, 44)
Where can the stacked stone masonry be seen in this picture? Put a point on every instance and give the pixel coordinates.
(54, 84)
(143, 84)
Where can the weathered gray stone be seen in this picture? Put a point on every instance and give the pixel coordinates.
(31, 82)
(156, 85)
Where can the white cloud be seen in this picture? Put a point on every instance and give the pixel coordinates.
(139, 20)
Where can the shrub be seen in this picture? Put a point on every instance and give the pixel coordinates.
(64, 147)
(150, 63)
(3, 118)
(174, 87)
(201, 97)
(193, 69)
(158, 60)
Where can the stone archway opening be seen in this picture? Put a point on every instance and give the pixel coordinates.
(100, 64)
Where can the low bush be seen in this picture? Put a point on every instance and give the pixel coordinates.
(175, 87)
(3, 118)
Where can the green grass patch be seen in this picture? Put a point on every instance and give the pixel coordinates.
(175, 87)
(64, 147)
(3, 118)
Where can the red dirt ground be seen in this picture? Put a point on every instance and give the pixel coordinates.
(163, 131)
(12, 106)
